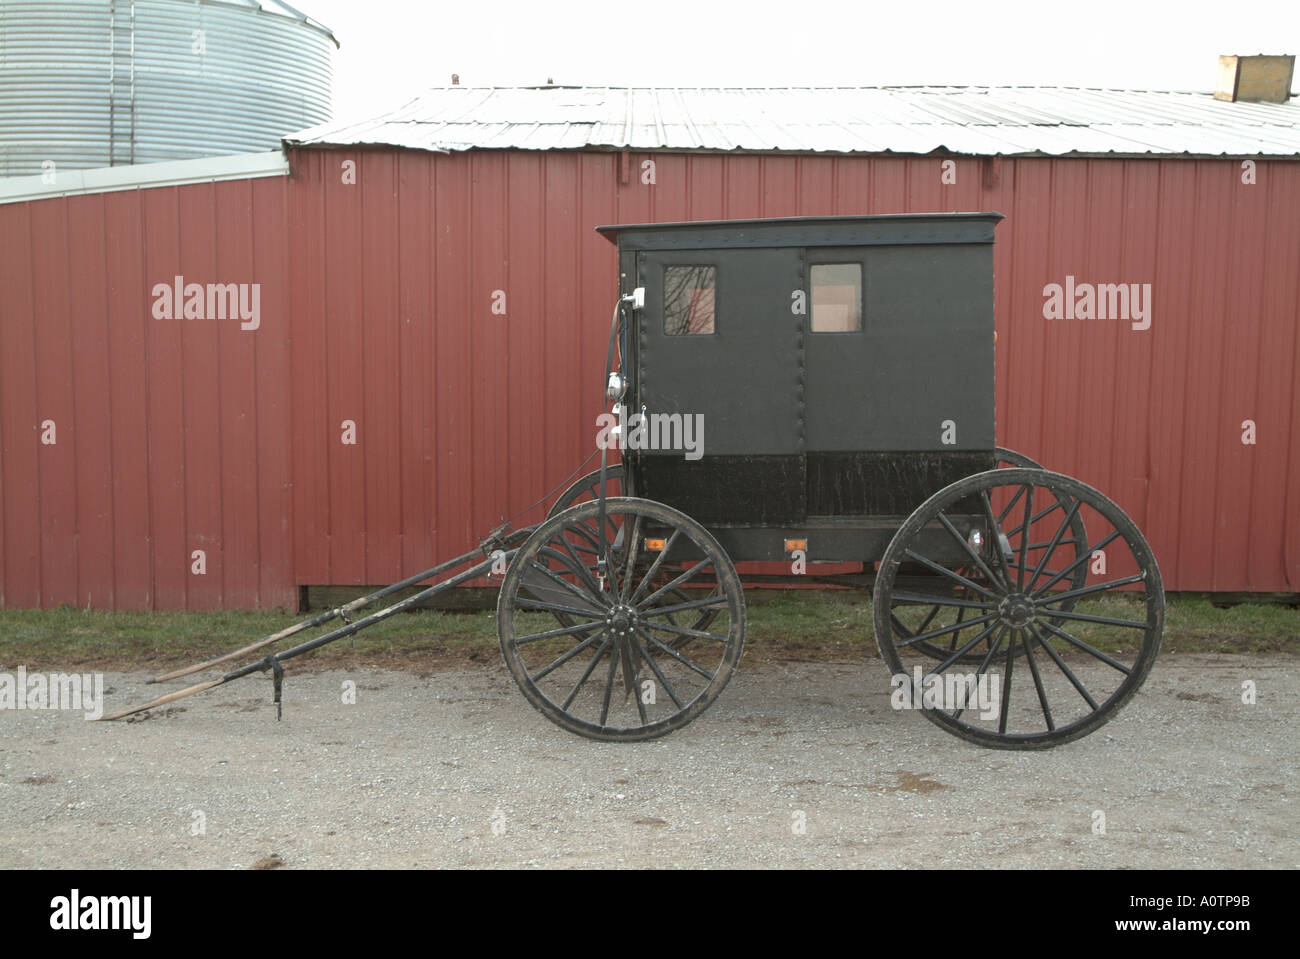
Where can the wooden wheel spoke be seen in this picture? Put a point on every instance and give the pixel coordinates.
(1038, 681)
(591, 667)
(609, 684)
(560, 580)
(564, 658)
(1080, 644)
(956, 656)
(537, 604)
(1024, 540)
(648, 578)
(582, 568)
(951, 574)
(975, 557)
(1006, 510)
(945, 630)
(631, 560)
(683, 631)
(1086, 618)
(1089, 590)
(919, 599)
(659, 675)
(996, 544)
(1061, 665)
(551, 633)
(1055, 541)
(709, 603)
(1079, 560)
(1036, 517)
(929, 618)
(681, 658)
(688, 574)
(1004, 710)
(984, 664)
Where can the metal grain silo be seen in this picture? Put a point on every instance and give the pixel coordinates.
(95, 83)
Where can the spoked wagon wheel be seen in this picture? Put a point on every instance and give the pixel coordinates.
(1077, 537)
(586, 487)
(1061, 654)
(619, 665)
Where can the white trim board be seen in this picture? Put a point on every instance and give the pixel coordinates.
(142, 176)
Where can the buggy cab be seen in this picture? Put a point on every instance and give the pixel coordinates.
(831, 372)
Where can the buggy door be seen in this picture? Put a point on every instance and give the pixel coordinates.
(720, 341)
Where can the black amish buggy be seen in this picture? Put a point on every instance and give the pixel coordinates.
(808, 390)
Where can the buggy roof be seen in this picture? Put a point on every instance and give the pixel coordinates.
(886, 228)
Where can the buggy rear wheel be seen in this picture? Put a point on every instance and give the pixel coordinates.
(1077, 537)
(591, 625)
(587, 487)
(1059, 656)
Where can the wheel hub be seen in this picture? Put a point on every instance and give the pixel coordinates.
(1017, 609)
(622, 620)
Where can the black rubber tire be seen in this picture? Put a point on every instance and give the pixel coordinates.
(637, 639)
(1017, 610)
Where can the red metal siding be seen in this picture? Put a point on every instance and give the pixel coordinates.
(377, 307)
(171, 435)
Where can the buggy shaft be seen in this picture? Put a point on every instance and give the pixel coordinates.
(273, 660)
(352, 628)
(338, 612)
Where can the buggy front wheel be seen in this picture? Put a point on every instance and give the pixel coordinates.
(592, 627)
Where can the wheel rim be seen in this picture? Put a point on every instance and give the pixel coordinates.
(601, 650)
(586, 487)
(1059, 655)
(1076, 537)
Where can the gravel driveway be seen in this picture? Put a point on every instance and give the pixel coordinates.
(802, 765)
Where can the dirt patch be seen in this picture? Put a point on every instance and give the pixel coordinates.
(915, 783)
(149, 714)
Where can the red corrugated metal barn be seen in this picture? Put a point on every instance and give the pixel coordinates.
(434, 279)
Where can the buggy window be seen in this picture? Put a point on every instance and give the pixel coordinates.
(836, 297)
(689, 299)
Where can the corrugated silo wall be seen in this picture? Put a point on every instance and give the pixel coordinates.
(377, 307)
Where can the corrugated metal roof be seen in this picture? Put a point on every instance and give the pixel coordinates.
(1010, 121)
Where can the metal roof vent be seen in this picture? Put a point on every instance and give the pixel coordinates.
(1258, 79)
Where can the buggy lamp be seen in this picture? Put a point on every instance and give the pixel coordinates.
(615, 388)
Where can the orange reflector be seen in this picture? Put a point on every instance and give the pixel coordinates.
(654, 544)
(793, 544)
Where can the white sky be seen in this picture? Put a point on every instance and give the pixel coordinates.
(390, 50)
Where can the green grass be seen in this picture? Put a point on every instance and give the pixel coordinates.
(804, 623)
(77, 637)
